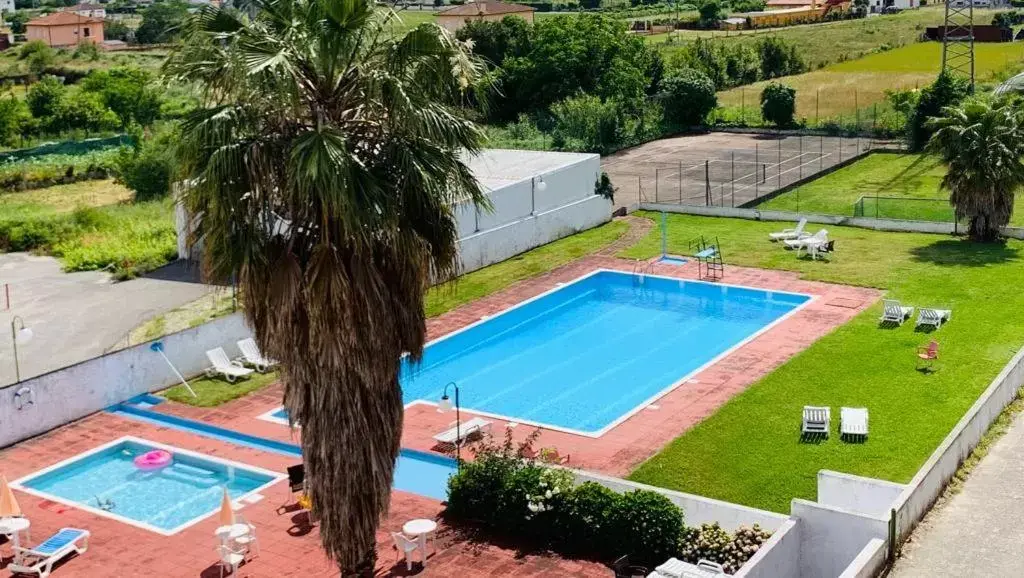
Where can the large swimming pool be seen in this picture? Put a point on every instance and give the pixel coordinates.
(107, 482)
(588, 355)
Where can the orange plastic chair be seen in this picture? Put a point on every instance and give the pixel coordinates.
(926, 356)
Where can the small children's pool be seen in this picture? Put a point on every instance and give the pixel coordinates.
(106, 481)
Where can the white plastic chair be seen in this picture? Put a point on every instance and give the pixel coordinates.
(406, 546)
(817, 420)
(853, 422)
(248, 540)
(230, 558)
(231, 370)
(710, 566)
(251, 354)
(933, 317)
(40, 559)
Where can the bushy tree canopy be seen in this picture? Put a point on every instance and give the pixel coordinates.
(128, 92)
(161, 22)
(688, 96)
(947, 90)
(778, 104)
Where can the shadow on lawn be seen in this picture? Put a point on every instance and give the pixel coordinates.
(964, 253)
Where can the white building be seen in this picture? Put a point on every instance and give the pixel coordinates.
(6, 5)
(536, 197)
(87, 10)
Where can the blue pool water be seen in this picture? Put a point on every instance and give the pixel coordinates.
(587, 354)
(280, 414)
(168, 498)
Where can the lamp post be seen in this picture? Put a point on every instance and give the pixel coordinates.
(446, 405)
(19, 334)
(538, 184)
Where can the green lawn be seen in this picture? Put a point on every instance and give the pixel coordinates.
(485, 281)
(749, 451)
(901, 176)
(212, 391)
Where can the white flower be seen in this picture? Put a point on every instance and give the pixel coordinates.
(547, 494)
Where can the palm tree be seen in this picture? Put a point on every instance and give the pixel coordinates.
(981, 144)
(321, 164)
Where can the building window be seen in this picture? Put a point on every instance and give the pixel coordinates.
(87, 33)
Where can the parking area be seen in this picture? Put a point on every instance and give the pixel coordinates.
(77, 316)
(723, 169)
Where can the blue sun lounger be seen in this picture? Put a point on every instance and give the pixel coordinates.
(40, 560)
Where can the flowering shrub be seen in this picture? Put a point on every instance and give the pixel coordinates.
(510, 495)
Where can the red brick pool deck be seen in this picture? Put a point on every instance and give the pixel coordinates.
(290, 547)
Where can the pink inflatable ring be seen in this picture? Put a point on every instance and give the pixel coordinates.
(153, 460)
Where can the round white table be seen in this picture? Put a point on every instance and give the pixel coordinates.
(232, 532)
(13, 527)
(419, 530)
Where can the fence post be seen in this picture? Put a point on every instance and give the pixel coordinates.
(680, 182)
(708, 201)
(800, 159)
(840, 149)
(892, 536)
(821, 151)
(732, 176)
(757, 161)
(778, 168)
(817, 99)
(657, 199)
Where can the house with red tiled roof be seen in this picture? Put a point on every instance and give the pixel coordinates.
(487, 10)
(65, 29)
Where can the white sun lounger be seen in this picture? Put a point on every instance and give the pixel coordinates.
(817, 420)
(251, 354)
(794, 233)
(231, 370)
(893, 312)
(464, 430)
(676, 568)
(933, 317)
(853, 421)
(40, 559)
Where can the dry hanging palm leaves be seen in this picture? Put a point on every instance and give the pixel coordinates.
(321, 168)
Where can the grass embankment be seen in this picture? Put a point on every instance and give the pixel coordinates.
(90, 225)
(896, 176)
(749, 452)
(840, 90)
(213, 391)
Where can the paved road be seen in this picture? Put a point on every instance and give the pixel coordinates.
(980, 531)
(76, 316)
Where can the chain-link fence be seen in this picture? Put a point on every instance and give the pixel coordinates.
(733, 177)
(904, 208)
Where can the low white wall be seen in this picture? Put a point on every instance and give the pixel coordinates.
(779, 557)
(856, 493)
(831, 538)
(76, 391)
(869, 562)
(495, 245)
(894, 225)
(696, 509)
(931, 479)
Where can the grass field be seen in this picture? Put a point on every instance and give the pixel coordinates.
(882, 175)
(749, 451)
(90, 225)
(213, 391)
(841, 89)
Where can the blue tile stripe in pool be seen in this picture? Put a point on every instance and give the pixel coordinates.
(588, 354)
(415, 471)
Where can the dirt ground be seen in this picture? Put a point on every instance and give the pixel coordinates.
(720, 168)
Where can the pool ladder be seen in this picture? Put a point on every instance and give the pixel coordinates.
(641, 269)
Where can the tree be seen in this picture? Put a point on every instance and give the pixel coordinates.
(38, 55)
(17, 21)
(778, 58)
(710, 14)
(116, 30)
(493, 41)
(947, 90)
(981, 144)
(323, 161)
(586, 53)
(688, 97)
(14, 116)
(44, 97)
(161, 22)
(778, 104)
(127, 91)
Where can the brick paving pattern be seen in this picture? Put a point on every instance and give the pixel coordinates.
(289, 546)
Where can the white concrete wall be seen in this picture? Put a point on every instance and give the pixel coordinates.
(895, 225)
(830, 538)
(496, 245)
(931, 479)
(696, 509)
(869, 562)
(76, 391)
(857, 494)
(779, 557)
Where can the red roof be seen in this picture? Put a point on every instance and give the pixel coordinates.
(63, 19)
(485, 7)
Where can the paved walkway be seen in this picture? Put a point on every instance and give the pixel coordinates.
(980, 531)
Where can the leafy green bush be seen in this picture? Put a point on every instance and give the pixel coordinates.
(778, 104)
(688, 96)
(585, 520)
(647, 525)
(148, 168)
